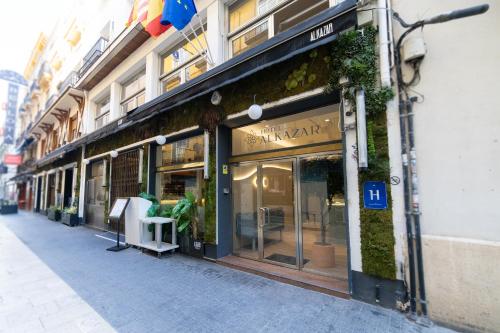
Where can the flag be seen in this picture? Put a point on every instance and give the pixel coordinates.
(139, 12)
(178, 13)
(153, 25)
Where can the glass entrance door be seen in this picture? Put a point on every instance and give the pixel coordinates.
(264, 211)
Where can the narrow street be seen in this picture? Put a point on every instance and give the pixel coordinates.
(54, 278)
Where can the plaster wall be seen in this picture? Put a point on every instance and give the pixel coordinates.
(458, 156)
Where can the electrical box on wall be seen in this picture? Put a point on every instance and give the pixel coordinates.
(414, 49)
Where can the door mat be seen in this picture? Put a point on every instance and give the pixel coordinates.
(289, 260)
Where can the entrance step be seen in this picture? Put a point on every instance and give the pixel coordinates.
(322, 284)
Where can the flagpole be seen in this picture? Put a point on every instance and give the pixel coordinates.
(205, 36)
(189, 41)
(208, 57)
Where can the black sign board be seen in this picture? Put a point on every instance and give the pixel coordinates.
(116, 215)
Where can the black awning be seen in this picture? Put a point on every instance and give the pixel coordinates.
(316, 31)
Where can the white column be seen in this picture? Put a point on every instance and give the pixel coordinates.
(216, 30)
(114, 100)
(152, 76)
(88, 117)
(81, 197)
(46, 192)
(351, 164)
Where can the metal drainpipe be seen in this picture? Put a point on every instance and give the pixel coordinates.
(412, 213)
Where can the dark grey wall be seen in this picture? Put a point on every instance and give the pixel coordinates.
(224, 220)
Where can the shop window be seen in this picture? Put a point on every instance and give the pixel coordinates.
(133, 94)
(102, 113)
(179, 171)
(183, 63)
(182, 152)
(251, 22)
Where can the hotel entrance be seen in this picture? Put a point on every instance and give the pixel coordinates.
(288, 202)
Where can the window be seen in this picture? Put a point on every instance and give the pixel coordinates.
(184, 63)
(102, 113)
(133, 94)
(72, 128)
(55, 140)
(179, 171)
(182, 152)
(251, 22)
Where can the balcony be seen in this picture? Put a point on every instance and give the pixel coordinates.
(98, 63)
(69, 81)
(92, 56)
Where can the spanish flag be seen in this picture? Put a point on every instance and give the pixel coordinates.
(148, 13)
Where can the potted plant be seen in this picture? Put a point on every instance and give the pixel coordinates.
(186, 214)
(70, 216)
(54, 213)
(8, 207)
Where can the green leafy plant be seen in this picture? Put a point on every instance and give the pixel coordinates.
(186, 214)
(55, 209)
(71, 210)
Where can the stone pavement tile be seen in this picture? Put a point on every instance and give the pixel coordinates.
(135, 292)
(31, 326)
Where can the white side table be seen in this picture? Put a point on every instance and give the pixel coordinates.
(157, 245)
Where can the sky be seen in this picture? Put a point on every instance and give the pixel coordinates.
(21, 21)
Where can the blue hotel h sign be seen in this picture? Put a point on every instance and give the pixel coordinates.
(374, 195)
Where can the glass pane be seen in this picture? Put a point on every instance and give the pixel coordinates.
(241, 12)
(184, 53)
(322, 215)
(196, 69)
(251, 38)
(172, 82)
(277, 209)
(141, 98)
(244, 193)
(174, 185)
(296, 12)
(184, 151)
(129, 105)
(311, 127)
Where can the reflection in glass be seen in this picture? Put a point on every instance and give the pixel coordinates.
(251, 38)
(189, 150)
(244, 187)
(322, 214)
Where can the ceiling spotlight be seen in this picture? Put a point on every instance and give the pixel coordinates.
(161, 139)
(216, 98)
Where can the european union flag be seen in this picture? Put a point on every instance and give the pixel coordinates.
(178, 13)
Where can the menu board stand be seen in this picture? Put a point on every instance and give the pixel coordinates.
(116, 215)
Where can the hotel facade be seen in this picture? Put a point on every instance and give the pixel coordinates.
(257, 126)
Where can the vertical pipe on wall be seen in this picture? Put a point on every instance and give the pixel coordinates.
(361, 130)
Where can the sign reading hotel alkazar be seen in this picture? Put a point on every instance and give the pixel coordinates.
(302, 129)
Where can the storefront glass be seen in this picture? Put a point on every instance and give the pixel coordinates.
(179, 171)
(290, 210)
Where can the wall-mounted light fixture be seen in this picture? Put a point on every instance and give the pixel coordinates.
(255, 110)
(113, 154)
(216, 98)
(86, 162)
(160, 140)
(361, 129)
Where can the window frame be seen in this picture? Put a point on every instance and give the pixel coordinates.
(103, 102)
(181, 68)
(142, 91)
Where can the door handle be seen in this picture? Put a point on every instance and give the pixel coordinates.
(262, 211)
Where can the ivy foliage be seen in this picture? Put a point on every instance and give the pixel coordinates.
(354, 57)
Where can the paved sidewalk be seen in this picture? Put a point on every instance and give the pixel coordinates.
(57, 278)
(34, 299)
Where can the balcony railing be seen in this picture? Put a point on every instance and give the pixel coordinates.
(92, 56)
(69, 81)
(51, 101)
